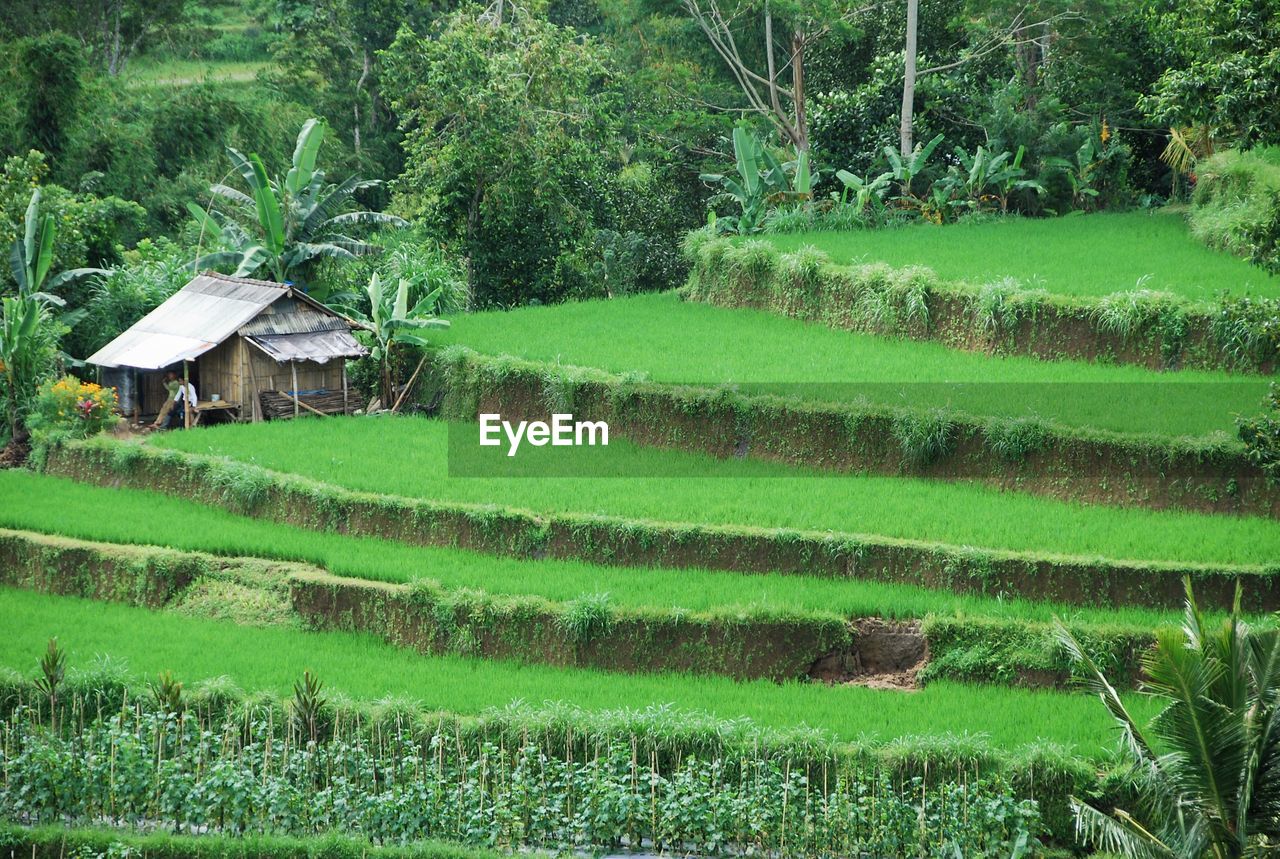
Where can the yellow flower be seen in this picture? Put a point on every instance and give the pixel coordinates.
(1105, 134)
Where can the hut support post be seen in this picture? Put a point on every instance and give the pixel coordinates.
(346, 408)
(188, 407)
(293, 368)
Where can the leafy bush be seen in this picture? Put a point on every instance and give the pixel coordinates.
(73, 408)
(1261, 436)
(1247, 330)
(1236, 206)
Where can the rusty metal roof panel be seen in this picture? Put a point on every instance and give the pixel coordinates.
(318, 346)
(195, 319)
(295, 322)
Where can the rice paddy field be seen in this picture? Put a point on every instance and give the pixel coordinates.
(1086, 255)
(147, 643)
(353, 453)
(57, 506)
(663, 339)
(668, 340)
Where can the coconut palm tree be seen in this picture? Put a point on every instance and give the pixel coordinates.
(1208, 778)
(279, 226)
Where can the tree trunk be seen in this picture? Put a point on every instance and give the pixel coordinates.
(906, 131)
(364, 76)
(797, 90)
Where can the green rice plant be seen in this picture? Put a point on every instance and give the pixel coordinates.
(643, 483)
(671, 341)
(363, 668)
(1091, 255)
(924, 438)
(459, 577)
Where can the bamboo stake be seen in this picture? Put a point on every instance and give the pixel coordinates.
(293, 368)
(297, 402)
(408, 387)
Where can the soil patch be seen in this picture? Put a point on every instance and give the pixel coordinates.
(886, 654)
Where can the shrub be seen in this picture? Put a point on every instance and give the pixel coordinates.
(1247, 329)
(1237, 205)
(73, 408)
(1261, 436)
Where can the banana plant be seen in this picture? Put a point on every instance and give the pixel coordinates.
(26, 354)
(762, 181)
(391, 322)
(868, 194)
(31, 257)
(984, 178)
(1081, 170)
(905, 171)
(283, 225)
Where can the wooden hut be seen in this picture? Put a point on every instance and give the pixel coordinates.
(254, 350)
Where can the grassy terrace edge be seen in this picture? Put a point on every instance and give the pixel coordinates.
(297, 501)
(1200, 475)
(744, 645)
(1154, 330)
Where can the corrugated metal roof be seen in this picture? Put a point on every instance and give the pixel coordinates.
(195, 319)
(318, 346)
(296, 322)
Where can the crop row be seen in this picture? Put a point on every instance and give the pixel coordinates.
(625, 542)
(1154, 330)
(903, 736)
(588, 631)
(364, 667)
(234, 776)
(58, 842)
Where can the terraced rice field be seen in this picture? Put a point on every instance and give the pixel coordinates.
(66, 508)
(741, 492)
(361, 667)
(1087, 255)
(663, 339)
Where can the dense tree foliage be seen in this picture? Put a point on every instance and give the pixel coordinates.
(555, 150)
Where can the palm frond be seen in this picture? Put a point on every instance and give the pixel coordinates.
(1119, 833)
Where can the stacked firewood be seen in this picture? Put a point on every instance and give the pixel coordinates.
(278, 404)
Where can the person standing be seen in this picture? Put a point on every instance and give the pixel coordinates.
(183, 400)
